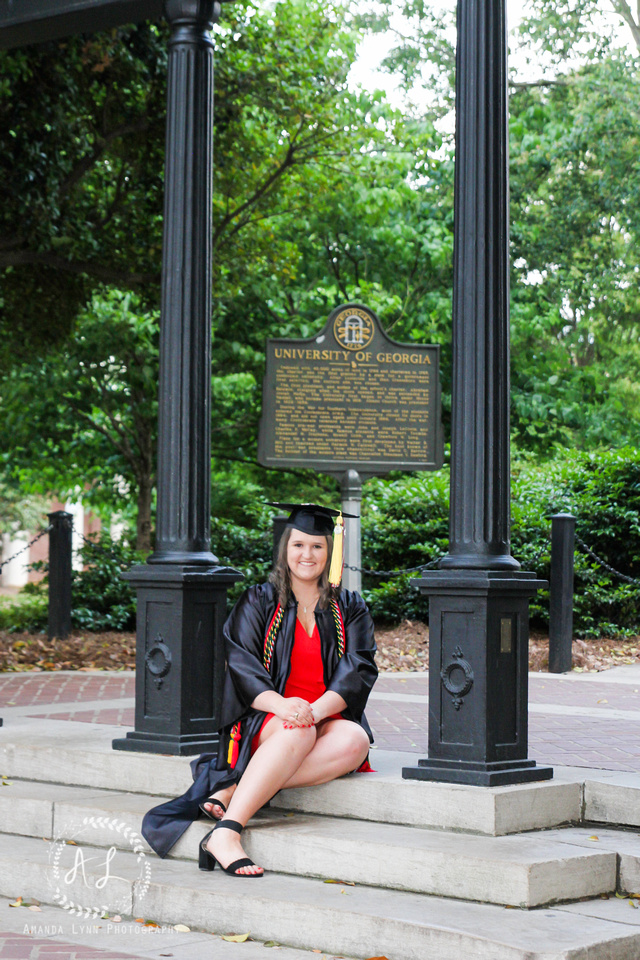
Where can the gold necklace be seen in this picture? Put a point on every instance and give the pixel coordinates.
(304, 609)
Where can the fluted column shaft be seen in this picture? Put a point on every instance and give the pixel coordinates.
(480, 475)
(184, 415)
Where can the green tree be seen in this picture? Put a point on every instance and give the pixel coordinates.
(575, 239)
(575, 182)
(84, 166)
(82, 148)
(83, 418)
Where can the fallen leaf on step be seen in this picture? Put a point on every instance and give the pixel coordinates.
(378, 958)
(117, 918)
(343, 883)
(272, 943)
(182, 928)
(602, 701)
(7, 783)
(621, 896)
(17, 902)
(36, 909)
(604, 896)
(636, 896)
(593, 838)
(237, 937)
(71, 843)
(510, 906)
(633, 904)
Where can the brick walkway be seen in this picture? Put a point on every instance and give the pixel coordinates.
(18, 946)
(575, 721)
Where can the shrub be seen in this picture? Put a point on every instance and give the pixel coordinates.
(405, 525)
(406, 521)
(28, 610)
(101, 600)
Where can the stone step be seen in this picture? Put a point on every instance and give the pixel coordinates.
(309, 914)
(612, 798)
(515, 870)
(85, 757)
(624, 843)
(52, 930)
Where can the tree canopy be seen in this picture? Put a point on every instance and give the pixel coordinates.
(322, 194)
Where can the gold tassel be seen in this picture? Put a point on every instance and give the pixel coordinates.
(335, 571)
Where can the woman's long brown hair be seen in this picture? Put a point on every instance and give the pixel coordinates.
(281, 580)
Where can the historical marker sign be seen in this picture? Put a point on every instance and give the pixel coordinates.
(351, 398)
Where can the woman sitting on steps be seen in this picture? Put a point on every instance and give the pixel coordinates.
(300, 667)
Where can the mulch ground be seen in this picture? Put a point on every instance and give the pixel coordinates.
(406, 647)
(401, 647)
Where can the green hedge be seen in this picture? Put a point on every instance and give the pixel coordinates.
(406, 520)
(101, 600)
(405, 524)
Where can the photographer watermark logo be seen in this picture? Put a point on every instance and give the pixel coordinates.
(86, 880)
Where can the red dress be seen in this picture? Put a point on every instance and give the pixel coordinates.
(306, 678)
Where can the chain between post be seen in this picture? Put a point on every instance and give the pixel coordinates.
(395, 573)
(603, 563)
(24, 549)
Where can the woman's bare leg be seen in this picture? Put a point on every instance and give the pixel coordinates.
(341, 746)
(278, 756)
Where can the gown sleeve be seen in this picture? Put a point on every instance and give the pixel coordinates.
(244, 634)
(356, 671)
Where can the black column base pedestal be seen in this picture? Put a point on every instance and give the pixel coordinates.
(180, 746)
(478, 674)
(477, 774)
(179, 657)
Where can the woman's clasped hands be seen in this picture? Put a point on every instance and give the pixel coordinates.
(296, 712)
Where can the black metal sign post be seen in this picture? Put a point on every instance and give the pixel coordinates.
(353, 403)
(479, 599)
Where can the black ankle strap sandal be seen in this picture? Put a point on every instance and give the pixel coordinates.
(207, 861)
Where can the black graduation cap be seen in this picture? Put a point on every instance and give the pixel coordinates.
(311, 517)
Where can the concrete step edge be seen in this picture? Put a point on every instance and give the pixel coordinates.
(376, 796)
(512, 870)
(340, 920)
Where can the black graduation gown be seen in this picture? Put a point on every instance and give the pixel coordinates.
(352, 676)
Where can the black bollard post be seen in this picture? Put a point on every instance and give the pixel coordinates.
(60, 574)
(563, 530)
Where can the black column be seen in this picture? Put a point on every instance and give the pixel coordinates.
(480, 495)
(478, 608)
(184, 425)
(181, 590)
